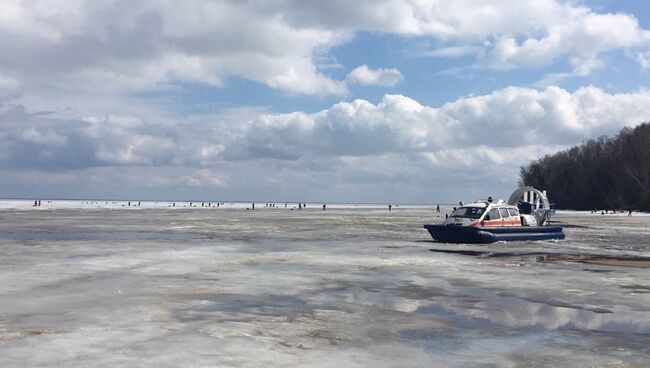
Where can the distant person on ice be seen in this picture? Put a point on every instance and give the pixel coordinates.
(324, 207)
(390, 207)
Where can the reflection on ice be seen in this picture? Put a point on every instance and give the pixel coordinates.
(349, 287)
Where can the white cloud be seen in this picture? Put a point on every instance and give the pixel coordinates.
(375, 77)
(204, 178)
(46, 138)
(84, 47)
(508, 118)
(580, 34)
(87, 60)
(359, 148)
(487, 126)
(8, 83)
(644, 60)
(106, 46)
(525, 33)
(453, 51)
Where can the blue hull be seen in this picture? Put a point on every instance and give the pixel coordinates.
(464, 234)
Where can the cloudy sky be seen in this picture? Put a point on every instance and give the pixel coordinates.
(380, 101)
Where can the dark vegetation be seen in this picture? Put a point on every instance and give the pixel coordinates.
(605, 173)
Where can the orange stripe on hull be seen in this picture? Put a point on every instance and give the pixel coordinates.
(500, 222)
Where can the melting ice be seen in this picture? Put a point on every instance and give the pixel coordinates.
(100, 284)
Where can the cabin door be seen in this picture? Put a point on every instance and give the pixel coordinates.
(492, 218)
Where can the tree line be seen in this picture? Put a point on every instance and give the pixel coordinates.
(604, 173)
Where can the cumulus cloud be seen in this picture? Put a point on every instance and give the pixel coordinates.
(505, 33)
(489, 127)
(109, 46)
(580, 34)
(42, 140)
(77, 70)
(375, 77)
(505, 119)
(359, 148)
(106, 46)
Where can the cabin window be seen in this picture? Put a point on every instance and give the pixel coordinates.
(513, 212)
(504, 212)
(469, 212)
(493, 214)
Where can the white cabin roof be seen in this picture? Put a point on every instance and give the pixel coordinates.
(476, 204)
(483, 203)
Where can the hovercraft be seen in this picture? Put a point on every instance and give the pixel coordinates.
(526, 216)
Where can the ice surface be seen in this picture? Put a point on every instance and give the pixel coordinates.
(92, 285)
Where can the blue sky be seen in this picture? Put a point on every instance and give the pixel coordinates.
(430, 80)
(368, 101)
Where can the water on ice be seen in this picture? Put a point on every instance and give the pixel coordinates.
(92, 284)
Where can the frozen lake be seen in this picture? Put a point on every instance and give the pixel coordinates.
(106, 285)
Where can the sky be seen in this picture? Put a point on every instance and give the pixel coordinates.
(369, 101)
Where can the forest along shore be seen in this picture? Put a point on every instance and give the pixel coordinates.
(601, 174)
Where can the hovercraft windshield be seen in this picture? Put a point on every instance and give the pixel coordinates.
(469, 212)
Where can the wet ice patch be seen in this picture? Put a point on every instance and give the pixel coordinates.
(350, 286)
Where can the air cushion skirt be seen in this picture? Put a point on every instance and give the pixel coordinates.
(465, 234)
